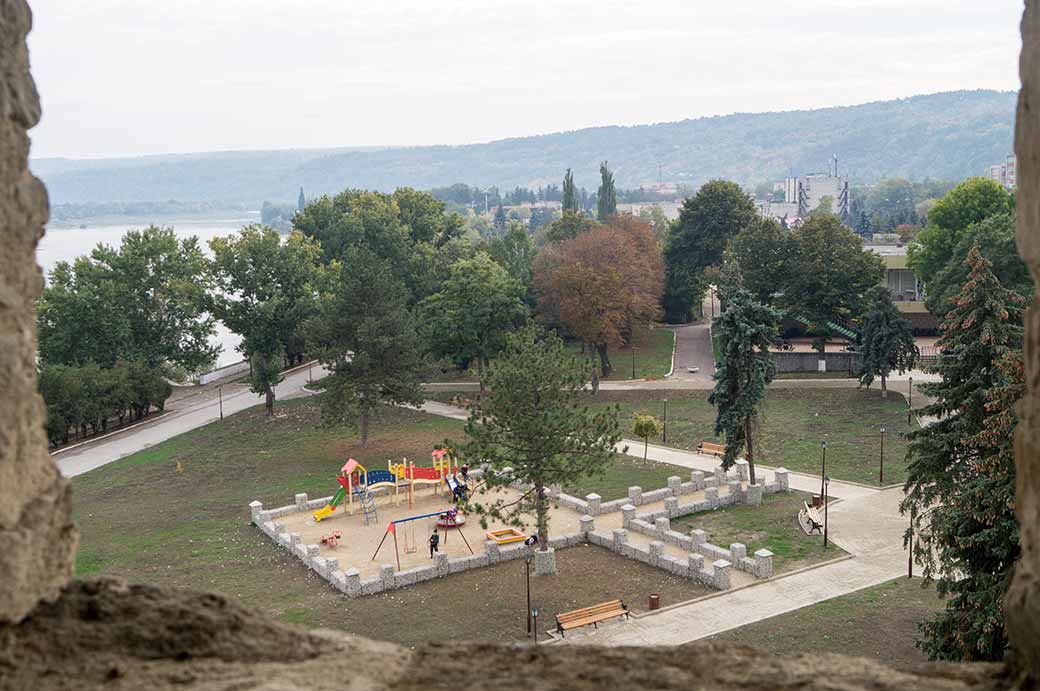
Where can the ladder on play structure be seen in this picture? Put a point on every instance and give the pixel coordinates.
(368, 505)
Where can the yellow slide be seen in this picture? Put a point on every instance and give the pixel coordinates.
(324, 512)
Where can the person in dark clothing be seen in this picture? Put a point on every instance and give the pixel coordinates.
(435, 541)
(465, 473)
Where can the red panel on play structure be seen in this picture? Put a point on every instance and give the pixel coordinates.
(424, 474)
(343, 481)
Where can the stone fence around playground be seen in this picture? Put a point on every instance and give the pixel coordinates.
(653, 524)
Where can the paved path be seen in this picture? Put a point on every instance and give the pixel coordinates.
(189, 415)
(693, 350)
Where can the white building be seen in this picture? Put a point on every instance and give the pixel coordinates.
(1005, 173)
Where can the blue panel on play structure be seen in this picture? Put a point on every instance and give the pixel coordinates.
(376, 477)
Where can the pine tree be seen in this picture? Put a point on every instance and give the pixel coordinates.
(570, 197)
(606, 196)
(888, 340)
(960, 478)
(301, 202)
(745, 331)
(500, 219)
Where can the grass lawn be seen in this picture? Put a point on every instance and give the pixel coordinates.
(177, 515)
(791, 427)
(625, 472)
(879, 623)
(653, 356)
(773, 525)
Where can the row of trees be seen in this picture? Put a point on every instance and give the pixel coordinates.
(85, 397)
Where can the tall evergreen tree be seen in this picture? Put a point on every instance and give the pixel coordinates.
(952, 495)
(888, 340)
(606, 196)
(301, 201)
(500, 219)
(745, 331)
(570, 196)
(365, 335)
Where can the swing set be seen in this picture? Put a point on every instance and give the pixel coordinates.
(410, 546)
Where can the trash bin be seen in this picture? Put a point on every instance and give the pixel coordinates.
(655, 601)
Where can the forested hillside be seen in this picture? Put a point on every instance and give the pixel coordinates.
(942, 136)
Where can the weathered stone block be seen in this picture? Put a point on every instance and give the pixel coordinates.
(742, 469)
(545, 562)
(301, 501)
(255, 508)
(738, 550)
(635, 495)
(492, 551)
(372, 586)
(710, 483)
(620, 536)
(595, 502)
(697, 478)
(587, 525)
(698, 537)
(440, 562)
(782, 477)
(671, 505)
(675, 484)
(720, 477)
(331, 564)
(353, 581)
(721, 577)
(711, 494)
(753, 495)
(386, 575)
(763, 563)
(338, 580)
(662, 525)
(656, 549)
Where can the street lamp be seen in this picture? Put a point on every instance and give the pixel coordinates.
(534, 613)
(881, 470)
(633, 360)
(527, 562)
(826, 483)
(823, 469)
(909, 400)
(910, 544)
(664, 432)
(220, 399)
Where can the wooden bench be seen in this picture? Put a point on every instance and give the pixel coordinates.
(711, 448)
(812, 516)
(590, 615)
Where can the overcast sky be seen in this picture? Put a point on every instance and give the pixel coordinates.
(128, 77)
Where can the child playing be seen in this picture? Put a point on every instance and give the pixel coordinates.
(435, 541)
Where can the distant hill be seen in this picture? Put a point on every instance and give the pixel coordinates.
(945, 136)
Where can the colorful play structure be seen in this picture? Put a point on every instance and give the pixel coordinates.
(449, 515)
(357, 482)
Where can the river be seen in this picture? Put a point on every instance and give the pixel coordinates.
(65, 244)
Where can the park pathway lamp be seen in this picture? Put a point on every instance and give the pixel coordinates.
(910, 546)
(826, 483)
(823, 468)
(534, 613)
(664, 433)
(220, 400)
(633, 360)
(909, 400)
(881, 468)
(527, 564)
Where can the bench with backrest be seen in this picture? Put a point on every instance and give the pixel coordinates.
(590, 615)
(812, 516)
(711, 448)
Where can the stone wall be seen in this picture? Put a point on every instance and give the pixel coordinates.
(37, 539)
(1022, 606)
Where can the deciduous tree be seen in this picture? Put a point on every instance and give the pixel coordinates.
(476, 308)
(644, 427)
(760, 253)
(603, 286)
(265, 293)
(707, 221)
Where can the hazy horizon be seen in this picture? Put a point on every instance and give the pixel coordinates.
(234, 76)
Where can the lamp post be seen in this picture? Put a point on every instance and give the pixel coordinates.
(664, 432)
(220, 400)
(633, 360)
(711, 291)
(909, 400)
(826, 483)
(527, 563)
(881, 469)
(910, 545)
(823, 469)
(310, 379)
(534, 614)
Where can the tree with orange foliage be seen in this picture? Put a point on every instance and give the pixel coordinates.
(603, 286)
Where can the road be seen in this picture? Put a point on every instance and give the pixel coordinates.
(189, 414)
